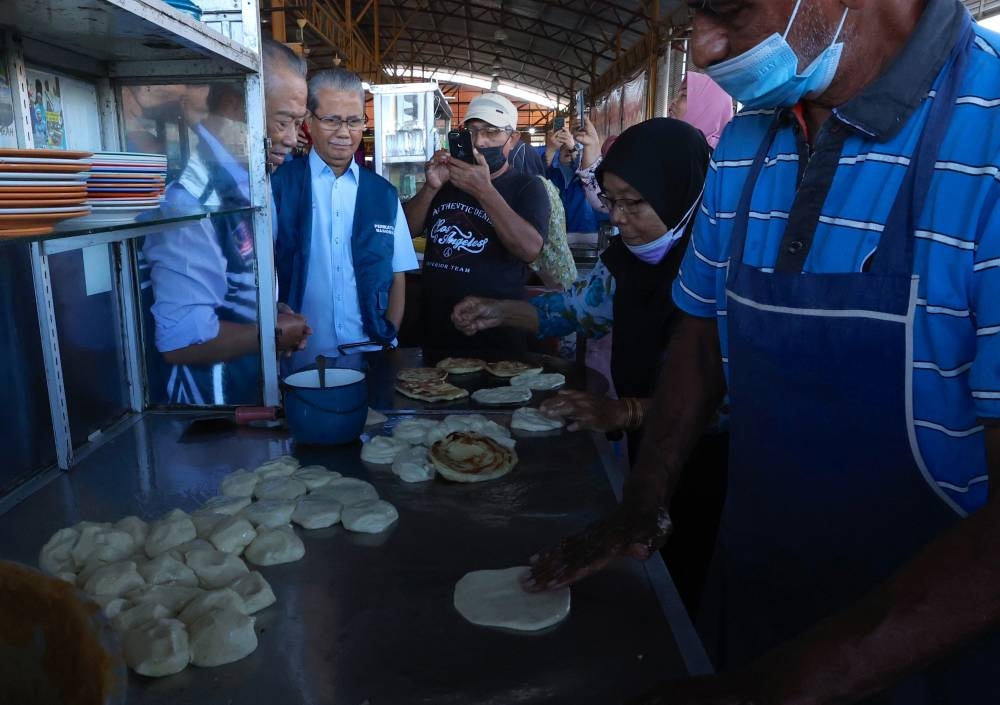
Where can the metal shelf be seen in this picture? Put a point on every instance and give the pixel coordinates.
(121, 32)
(410, 159)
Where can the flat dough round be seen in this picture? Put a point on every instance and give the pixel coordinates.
(462, 365)
(270, 513)
(421, 374)
(279, 488)
(470, 457)
(539, 380)
(432, 391)
(347, 491)
(511, 368)
(495, 598)
(529, 419)
(239, 484)
(222, 637)
(317, 512)
(370, 517)
(382, 450)
(275, 546)
(158, 649)
(413, 466)
(215, 569)
(498, 396)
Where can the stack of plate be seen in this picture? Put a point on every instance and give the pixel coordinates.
(40, 187)
(121, 185)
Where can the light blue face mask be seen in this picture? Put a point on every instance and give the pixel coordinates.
(767, 76)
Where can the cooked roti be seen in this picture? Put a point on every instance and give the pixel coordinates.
(461, 365)
(471, 457)
(433, 390)
(538, 380)
(421, 374)
(502, 395)
(511, 368)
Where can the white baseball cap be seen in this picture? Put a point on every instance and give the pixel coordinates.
(494, 109)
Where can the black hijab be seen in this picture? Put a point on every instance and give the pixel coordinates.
(665, 160)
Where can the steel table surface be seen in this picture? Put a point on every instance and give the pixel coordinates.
(369, 618)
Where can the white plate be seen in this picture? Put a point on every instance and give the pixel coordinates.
(47, 184)
(32, 211)
(143, 156)
(5, 176)
(102, 205)
(42, 160)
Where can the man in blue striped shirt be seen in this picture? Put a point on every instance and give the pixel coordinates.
(846, 270)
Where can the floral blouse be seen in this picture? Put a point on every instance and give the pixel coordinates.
(585, 307)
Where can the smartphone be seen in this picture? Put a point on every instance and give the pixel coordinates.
(580, 107)
(460, 145)
(558, 123)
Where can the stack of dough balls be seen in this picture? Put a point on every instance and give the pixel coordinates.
(406, 450)
(178, 589)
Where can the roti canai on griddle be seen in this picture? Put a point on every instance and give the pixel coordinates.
(431, 390)
(421, 374)
(461, 365)
(471, 457)
(511, 368)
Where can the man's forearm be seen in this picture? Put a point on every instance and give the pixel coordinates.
(416, 209)
(234, 340)
(691, 387)
(397, 299)
(517, 235)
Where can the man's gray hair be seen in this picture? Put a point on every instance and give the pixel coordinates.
(277, 58)
(336, 79)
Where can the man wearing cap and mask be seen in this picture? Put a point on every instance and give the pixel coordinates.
(484, 222)
(845, 270)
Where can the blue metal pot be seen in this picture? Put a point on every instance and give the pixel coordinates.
(331, 415)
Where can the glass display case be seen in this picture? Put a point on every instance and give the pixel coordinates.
(411, 123)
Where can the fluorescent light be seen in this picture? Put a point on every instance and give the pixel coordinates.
(513, 90)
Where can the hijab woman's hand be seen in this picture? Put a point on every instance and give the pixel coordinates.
(585, 411)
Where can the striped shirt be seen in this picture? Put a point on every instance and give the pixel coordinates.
(956, 332)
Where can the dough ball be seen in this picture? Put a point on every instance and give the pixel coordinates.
(173, 597)
(232, 534)
(222, 637)
(270, 513)
(317, 513)
(279, 488)
(382, 450)
(225, 505)
(139, 616)
(495, 598)
(204, 522)
(279, 467)
(314, 476)
(216, 569)
(413, 466)
(167, 569)
(212, 601)
(102, 544)
(115, 579)
(111, 606)
(533, 420)
(56, 555)
(255, 591)
(347, 491)
(167, 533)
(135, 527)
(179, 552)
(370, 517)
(158, 648)
(239, 484)
(414, 431)
(174, 514)
(275, 546)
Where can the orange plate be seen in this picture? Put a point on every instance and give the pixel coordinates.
(39, 202)
(13, 220)
(42, 193)
(50, 153)
(25, 232)
(121, 195)
(44, 168)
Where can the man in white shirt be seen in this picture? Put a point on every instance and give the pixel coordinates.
(342, 240)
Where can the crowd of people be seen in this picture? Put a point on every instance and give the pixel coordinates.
(805, 308)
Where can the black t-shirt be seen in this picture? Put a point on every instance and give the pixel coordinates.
(464, 256)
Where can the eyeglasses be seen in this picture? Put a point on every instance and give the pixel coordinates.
(488, 132)
(332, 123)
(628, 206)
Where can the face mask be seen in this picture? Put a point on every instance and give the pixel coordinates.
(654, 252)
(495, 158)
(767, 75)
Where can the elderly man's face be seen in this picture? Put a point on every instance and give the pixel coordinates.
(285, 108)
(723, 29)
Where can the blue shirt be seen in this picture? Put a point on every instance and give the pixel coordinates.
(330, 302)
(955, 364)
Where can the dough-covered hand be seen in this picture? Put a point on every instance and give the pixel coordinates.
(585, 411)
(473, 314)
(474, 179)
(436, 170)
(630, 530)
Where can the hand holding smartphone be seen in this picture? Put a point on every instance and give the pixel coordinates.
(460, 146)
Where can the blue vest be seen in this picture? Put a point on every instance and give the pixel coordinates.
(371, 251)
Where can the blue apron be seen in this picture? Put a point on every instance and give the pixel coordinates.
(825, 498)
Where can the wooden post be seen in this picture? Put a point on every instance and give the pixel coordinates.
(278, 21)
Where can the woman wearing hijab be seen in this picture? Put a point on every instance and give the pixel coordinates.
(652, 179)
(700, 102)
